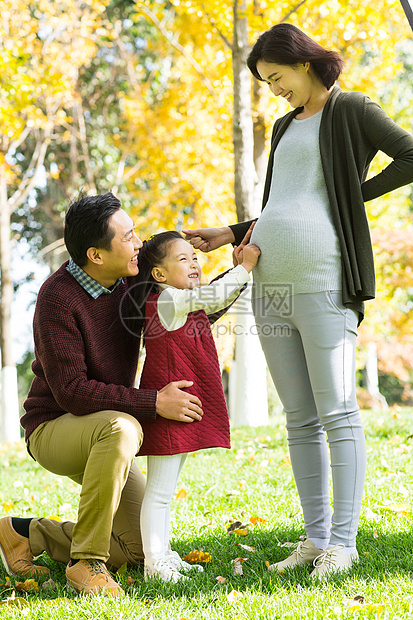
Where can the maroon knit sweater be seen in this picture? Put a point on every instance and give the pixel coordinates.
(85, 358)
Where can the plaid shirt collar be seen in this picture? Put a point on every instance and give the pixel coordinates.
(89, 284)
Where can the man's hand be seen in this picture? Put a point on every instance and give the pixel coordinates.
(175, 404)
(207, 239)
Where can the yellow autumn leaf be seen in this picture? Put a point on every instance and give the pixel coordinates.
(54, 517)
(255, 520)
(182, 494)
(30, 585)
(241, 532)
(197, 557)
(8, 506)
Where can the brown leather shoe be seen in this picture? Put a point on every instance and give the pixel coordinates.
(92, 577)
(16, 553)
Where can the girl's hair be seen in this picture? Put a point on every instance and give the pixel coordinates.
(285, 44)
(152, 253)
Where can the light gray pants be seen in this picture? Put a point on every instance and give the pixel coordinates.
(311, 357)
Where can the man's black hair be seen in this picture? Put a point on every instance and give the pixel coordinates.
(87, 225)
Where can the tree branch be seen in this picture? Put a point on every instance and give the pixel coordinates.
(293, 10)
(171, 39)
(20, 195)
(214, 25)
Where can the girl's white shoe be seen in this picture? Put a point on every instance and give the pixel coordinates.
(163, 570)
(174, 559)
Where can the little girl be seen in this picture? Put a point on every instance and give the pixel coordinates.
(180, 346)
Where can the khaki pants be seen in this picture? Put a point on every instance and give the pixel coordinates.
(96, 451)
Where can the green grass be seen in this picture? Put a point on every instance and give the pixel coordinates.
(252, 479)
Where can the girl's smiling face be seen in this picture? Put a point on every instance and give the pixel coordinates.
(293, 82)
(180, 268)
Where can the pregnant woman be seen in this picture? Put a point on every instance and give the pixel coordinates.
(315, 246)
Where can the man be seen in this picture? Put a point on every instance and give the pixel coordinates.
(82, 412)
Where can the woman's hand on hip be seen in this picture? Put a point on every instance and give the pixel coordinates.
(207, 239)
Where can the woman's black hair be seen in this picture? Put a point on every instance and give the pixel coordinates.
(152, 253)
(285, 44)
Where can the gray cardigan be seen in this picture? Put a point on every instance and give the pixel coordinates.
(353, 129)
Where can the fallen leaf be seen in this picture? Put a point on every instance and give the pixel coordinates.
(49, 584)
(182, 494)
(286, 544)
(7, 585)
(237, 566)
(267, 564)
(30, 585)
(197, 557)
(233, 525)
(246, 547)
(16, 601)
(131, 580)
(255, 520)
(357, 601)
(8, 506)
(375, 534)
(233, 596)
(54, 518)
(221, 579)
(240, 532)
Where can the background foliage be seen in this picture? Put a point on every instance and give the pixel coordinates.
(137, 99)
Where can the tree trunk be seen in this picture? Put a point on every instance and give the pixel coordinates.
(248, 398)
(9, 414)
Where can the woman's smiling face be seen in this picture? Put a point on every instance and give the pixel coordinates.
(293, 82)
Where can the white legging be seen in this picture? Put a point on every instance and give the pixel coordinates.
(162, 477)
(311, 354)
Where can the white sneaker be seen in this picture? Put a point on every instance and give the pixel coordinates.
(333, 560)
(305, 553)
(162, 570)
(174, 559)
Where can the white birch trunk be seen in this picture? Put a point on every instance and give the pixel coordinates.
(248, 376)
(10, 425)
(9, 414)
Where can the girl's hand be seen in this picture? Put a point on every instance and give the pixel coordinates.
(237, 255)
(251, 255)
(207, 239)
